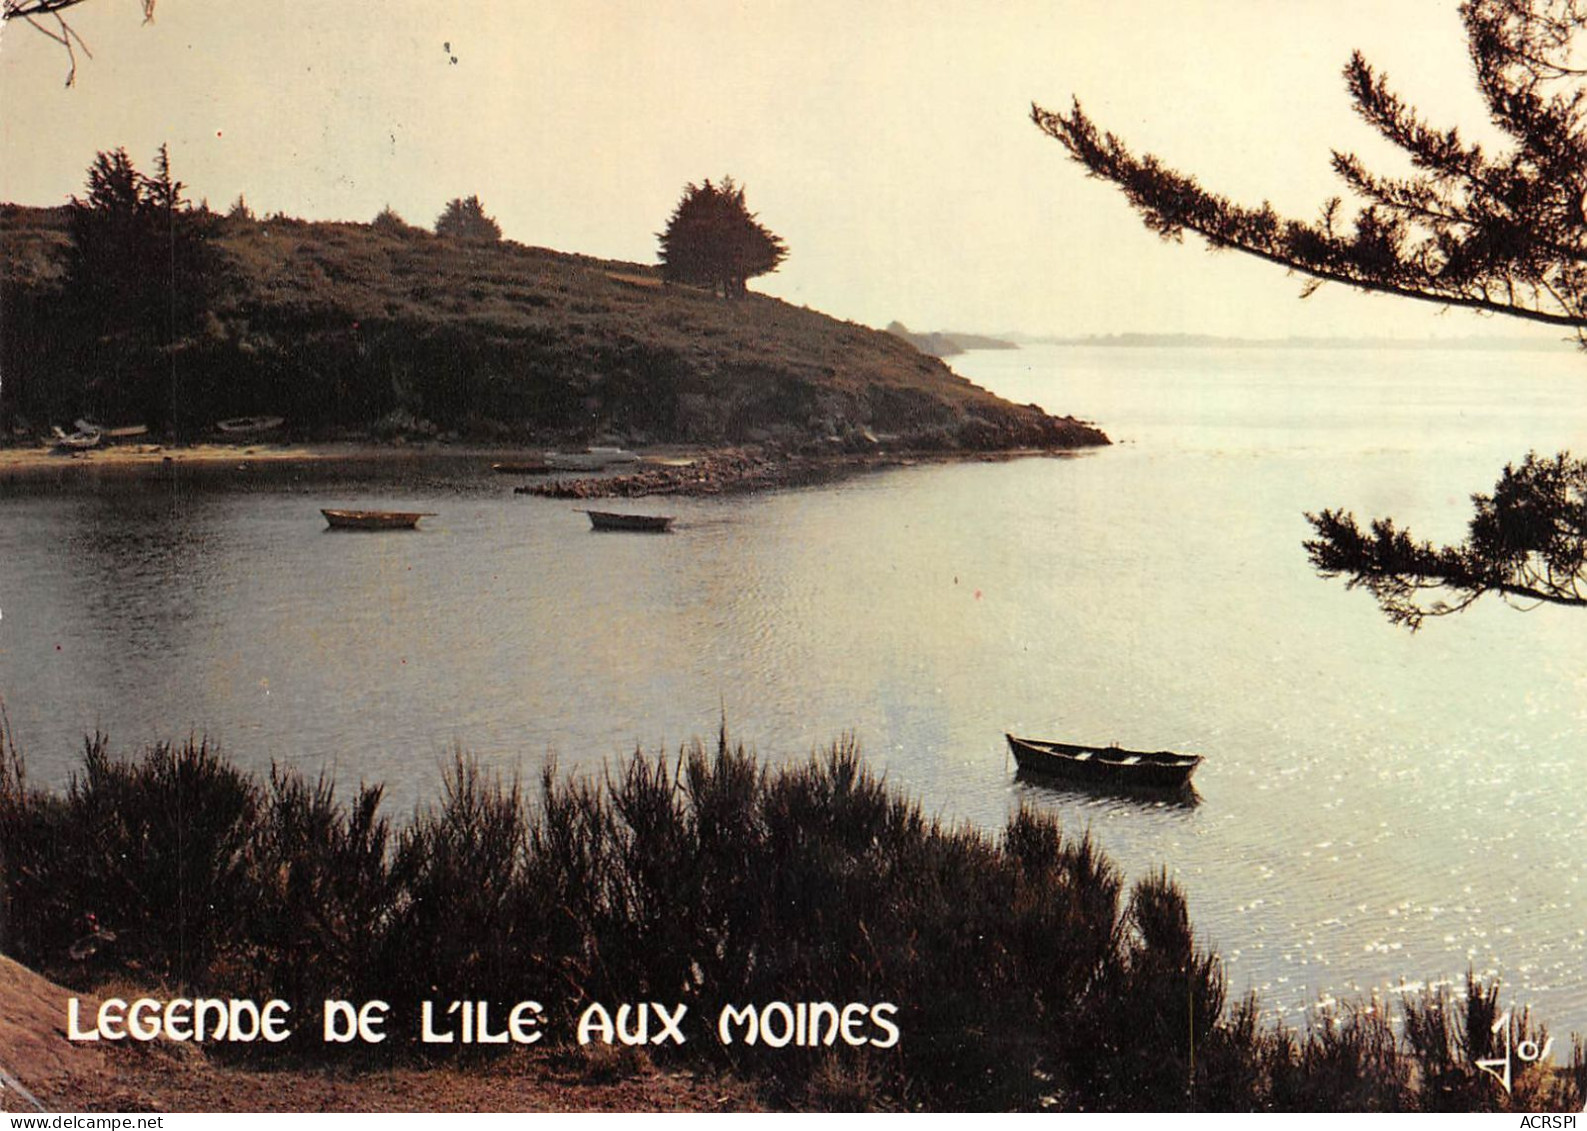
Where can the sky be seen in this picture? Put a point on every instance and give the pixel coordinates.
(887, 142)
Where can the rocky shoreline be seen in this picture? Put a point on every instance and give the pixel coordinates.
(743, 470)
(663, 470)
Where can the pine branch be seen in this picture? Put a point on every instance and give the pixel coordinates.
(64, 33)
(1527, 541)
(1374, 259)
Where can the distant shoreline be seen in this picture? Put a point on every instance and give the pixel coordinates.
(1134, 340)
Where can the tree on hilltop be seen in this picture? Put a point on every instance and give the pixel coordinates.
(1504, 232)
(466, 220)
(140, 273)
(713, 239)
(138, 254)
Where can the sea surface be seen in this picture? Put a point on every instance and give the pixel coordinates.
(1377, 809)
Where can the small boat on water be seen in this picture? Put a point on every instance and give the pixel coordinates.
(374, 520)
(650, 523)
(249, 425)
(521, 467)
(1112, 765)
(87, 436)
(590, 459)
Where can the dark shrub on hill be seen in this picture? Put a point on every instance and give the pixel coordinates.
(388, 223)
(466, 220)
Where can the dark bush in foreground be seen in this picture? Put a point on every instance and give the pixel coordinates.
(1025, 975)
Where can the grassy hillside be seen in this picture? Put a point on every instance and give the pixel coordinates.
(359, 330)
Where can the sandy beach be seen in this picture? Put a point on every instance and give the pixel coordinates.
(43, 463)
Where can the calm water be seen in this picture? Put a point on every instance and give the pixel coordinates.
(1377, 808)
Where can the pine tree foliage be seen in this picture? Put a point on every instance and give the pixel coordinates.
(1498, 231)
(45, 16)
(1501, 230)
(141, 275)
(1527, 542)
(139, 262)
(713, 239)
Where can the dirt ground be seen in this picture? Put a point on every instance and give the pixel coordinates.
(164, 1076)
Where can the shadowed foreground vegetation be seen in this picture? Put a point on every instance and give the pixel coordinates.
(1025, 974)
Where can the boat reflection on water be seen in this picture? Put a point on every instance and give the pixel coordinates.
(637, 523)
(1049, 789)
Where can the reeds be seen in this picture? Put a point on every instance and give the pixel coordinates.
(1025, 975)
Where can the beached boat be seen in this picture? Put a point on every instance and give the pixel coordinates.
(249, 425)
(374, 520)
(112, 432)
(650, 523)
(86, 436)
(590, 459)
(1111, 765)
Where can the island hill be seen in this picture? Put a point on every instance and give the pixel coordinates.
(379, 331)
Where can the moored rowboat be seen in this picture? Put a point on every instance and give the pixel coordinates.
(606, 520)
(1113, 765)
(374, 520)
